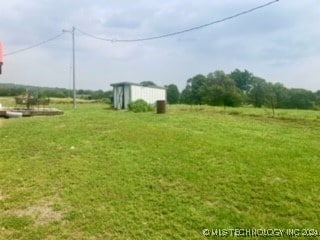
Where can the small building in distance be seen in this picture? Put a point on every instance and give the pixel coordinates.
(127, 92)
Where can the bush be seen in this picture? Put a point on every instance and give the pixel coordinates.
(140, 106)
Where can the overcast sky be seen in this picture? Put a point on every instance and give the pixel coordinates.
(280, 43)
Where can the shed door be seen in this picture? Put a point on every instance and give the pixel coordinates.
(119, 97)
(123, 99)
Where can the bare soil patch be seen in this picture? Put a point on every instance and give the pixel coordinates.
(42, 214)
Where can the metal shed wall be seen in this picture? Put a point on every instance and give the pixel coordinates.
(149, 94)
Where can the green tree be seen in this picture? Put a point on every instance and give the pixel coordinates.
(243, 79)
(317, 96)
(270, 97)
(99, 94)
(301, 99)
(186, 96)
(258, 95)
(148, 84)
(196, 85)
(173, 94)
(220, 89)
(192, 93)
(281, 95)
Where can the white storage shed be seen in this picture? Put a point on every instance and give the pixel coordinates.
(126, 92)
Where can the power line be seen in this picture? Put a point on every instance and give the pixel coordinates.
(178, 32)
(34, 46)
(147, 38)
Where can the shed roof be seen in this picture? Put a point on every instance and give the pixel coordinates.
(135, 84)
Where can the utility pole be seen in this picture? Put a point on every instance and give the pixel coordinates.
(73, 66)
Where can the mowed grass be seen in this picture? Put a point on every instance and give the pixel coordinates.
(95, 173)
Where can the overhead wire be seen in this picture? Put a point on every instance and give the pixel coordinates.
(34, 46)
(178, 32)
(147, 38)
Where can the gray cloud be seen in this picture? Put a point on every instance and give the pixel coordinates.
(278, 42)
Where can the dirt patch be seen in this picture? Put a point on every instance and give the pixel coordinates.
(1, 193)
(42, 214)
(273, 180)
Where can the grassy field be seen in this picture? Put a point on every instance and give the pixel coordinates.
(95, 173)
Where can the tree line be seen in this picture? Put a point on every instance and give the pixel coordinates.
(14, 90)
(235, 89)
(241, 88)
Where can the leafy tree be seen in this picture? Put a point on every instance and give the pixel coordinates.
(270, 97)
(301, 99)
(221, 90)
(148, 84)
(258, 95)
(185, 96)
(237, 87)
(196, 84)
(243, 79)
(281, 94)
(11, 91)
(317, 96)
(97, 94)
(173, 94)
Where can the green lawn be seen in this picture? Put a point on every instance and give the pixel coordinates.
(95, 173)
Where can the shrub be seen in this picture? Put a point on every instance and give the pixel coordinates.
(140, 106)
